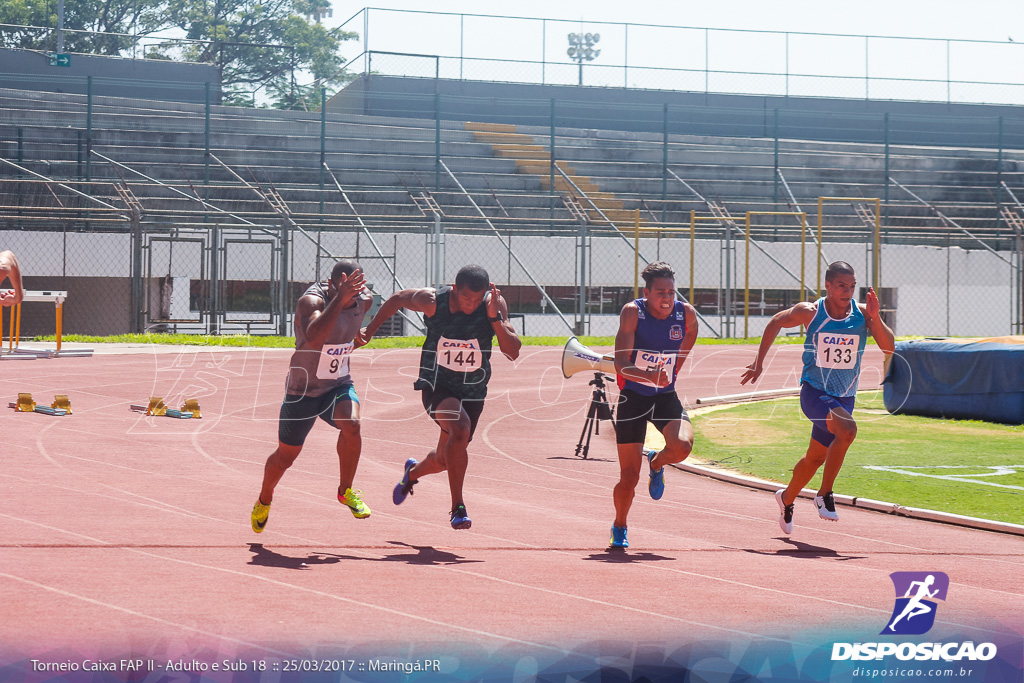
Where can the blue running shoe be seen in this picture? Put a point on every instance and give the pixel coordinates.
(656, 484)
(461, 520)
(404, 487)
(618, 539)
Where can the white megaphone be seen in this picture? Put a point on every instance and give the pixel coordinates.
(578, 358)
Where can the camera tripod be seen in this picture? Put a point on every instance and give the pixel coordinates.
(599, 410)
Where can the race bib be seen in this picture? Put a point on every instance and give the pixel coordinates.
(645, 360)
(459, 355)
(836, 351)
(334, 361)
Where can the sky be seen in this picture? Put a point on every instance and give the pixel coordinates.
(978, 20)
(648, 49)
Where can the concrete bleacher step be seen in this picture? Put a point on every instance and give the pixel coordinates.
(535, 159)
(504, 166)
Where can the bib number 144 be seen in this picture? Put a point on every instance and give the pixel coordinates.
(459, 355)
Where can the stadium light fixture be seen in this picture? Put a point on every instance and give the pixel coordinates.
(319, 12)
(581, 49)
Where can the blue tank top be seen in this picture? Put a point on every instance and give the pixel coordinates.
(833, 350)
(656, 341)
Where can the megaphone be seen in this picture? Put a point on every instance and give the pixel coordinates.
(578, 358)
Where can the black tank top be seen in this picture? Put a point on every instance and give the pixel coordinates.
(457, 351)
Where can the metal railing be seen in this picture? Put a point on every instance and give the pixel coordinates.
(702, 59)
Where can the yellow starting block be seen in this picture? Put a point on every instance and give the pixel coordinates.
(61, 402)
(158, 408)
(192, 406)
(25, 404)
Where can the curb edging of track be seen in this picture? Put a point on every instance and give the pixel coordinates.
(851, 501)
(855, 501)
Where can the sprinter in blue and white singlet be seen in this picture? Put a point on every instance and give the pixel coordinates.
(837, 329)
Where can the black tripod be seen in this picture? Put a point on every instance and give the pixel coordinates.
(599, 410)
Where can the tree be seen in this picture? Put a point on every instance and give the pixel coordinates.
(90, 25)
(261, 44)
(258, 44)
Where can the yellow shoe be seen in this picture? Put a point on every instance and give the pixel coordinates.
(353, 500)
(260, 512)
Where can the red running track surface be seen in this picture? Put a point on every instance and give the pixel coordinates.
(127, 533)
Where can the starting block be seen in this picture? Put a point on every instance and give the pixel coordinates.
(157, 408)
(61, 405)
(192, 406)
(61, 402)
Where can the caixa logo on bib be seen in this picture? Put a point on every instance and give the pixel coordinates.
(916, 593)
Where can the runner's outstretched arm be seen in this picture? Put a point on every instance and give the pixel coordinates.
(318, 323)
(881, 333)
(625, 340)
(801, 314)
(692, 328)
(9, 269)
(419, 300)
(508, 341)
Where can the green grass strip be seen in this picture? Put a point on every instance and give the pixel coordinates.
(766, 439)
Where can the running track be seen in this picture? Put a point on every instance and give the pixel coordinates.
(125, 535)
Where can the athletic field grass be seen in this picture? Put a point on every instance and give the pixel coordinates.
(966, 467)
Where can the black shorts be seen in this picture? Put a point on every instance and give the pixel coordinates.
(299, 413)
(635, 410)
(433, 397)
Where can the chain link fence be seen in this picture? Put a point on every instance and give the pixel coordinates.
(209, 218)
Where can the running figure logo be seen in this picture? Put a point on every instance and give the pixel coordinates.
(914, 612)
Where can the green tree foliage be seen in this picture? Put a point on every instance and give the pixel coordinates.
(264, 46)
(84, 20)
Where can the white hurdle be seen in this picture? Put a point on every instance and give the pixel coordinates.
(57, 298)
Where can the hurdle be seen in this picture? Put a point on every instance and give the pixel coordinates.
(56, 297)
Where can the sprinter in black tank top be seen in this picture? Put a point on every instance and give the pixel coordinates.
(455, 367)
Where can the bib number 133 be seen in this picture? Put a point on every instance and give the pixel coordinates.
(837, 350)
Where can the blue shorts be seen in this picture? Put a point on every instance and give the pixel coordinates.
(817, 405)
(299, 413)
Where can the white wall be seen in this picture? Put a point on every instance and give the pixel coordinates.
(977, 288)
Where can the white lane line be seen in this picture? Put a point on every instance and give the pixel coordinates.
(702, 509)
(140, 615)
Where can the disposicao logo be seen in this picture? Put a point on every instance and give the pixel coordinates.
(916, 592)
(914, 614)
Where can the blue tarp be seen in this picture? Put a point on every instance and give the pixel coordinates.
(976, 380)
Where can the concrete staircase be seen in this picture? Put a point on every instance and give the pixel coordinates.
(534, 159)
